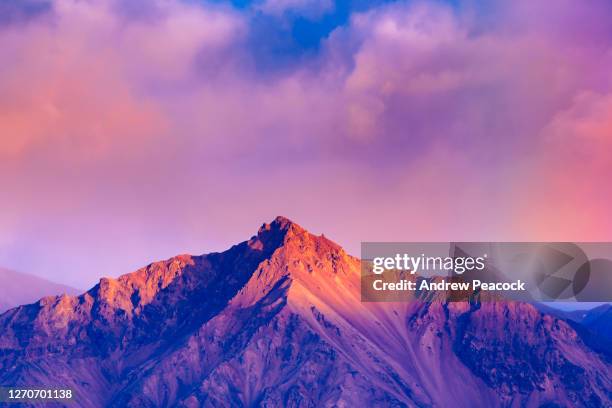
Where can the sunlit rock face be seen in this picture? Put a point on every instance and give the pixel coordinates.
(277, 321)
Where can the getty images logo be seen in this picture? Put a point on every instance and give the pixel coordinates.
(564, 271)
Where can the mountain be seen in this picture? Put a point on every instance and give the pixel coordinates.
(599, 321)
(18, 288)
(554, 310)
(277, 321)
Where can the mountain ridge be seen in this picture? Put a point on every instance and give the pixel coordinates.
(20, 288)
(277, 320)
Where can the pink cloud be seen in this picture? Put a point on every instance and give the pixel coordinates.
(81, 78)
(124, 139)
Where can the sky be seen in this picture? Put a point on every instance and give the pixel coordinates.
(134, 131)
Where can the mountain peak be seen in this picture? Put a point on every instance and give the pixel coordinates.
(279, 230)
(281, 223)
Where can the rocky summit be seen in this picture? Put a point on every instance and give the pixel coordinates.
(277, 321)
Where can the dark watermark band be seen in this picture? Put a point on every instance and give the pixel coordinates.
(459, 271)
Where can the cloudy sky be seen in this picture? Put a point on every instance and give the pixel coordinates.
(134, 131)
